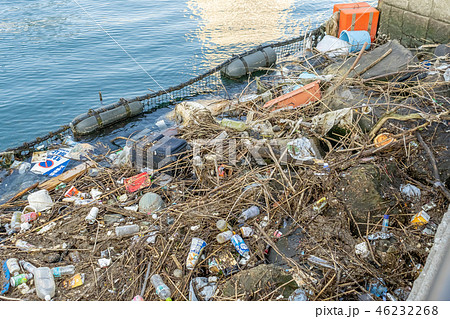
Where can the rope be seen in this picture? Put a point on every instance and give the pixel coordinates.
(123, 49)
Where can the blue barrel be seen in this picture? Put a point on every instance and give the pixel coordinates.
(356, 39)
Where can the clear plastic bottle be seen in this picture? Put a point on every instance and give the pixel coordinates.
(90, 218)
(126, 230)
(13, 266)
(385, 223)
(44, 282)
(249, 213)
(27, 266)
(224, 236)
(161, 288)
(64, 270)
(235, 125)
(24, 245)
(222, 225)
(29, 217)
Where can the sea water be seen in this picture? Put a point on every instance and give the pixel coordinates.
(57, 55)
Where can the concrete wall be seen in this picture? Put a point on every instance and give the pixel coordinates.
(415, 22)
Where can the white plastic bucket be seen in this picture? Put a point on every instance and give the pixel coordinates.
(356, 39)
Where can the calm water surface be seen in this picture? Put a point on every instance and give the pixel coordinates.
(55, 58)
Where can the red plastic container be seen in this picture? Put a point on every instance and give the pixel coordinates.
(359, 19)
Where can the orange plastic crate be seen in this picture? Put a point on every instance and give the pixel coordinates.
(301, 96)
(356, 5)
(364, 19)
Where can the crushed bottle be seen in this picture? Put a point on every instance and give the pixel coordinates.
(249, 213)
(44, 282)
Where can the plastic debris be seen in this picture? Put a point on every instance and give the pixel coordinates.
(410, 191)
(206, 287)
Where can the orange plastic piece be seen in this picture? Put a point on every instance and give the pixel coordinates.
(301, 96)
(421, 218)
(359, 19)
(383, 139)
(356, 5)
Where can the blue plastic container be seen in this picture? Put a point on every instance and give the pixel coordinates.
(356, 39)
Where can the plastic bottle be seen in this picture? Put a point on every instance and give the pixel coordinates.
(224, 236)
(137, 298)
(240, 245)
(13, 266)
(20, 279)
(222, 225)
(44, 282)
(23, 245)
(126, 230)
(15, 221)
(29, 217)
(235, 125)
(246, 231)
(385, 223)
(249, 213)
(64, 270)
(90, 218)
(161, 288)
(27, 266)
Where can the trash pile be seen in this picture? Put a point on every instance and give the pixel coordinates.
(324, 179)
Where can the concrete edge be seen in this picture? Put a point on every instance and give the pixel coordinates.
(427, 286)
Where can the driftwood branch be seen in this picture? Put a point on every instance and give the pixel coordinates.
(437, 179)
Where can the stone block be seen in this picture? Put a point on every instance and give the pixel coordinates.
(441, 11)
(422, 7)
(438, 31)
(396, 17)
(395, 32)
(415, 25)
(402, 4)
(384, 19)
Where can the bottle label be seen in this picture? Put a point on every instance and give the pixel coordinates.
(19, 279)
(159, 289)
(57, 272)
(197, 246)
(240, 245)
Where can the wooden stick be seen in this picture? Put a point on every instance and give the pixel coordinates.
(66, 176)
(348, 71)
(374, 62)
(326, 286)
